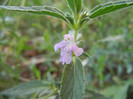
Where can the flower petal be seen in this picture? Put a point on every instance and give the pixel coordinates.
(77, 51)
(59, 45)
(66, 57)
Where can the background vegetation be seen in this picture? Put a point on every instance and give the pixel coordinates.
(27, 41)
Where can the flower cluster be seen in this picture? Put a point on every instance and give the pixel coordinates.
(68, 46)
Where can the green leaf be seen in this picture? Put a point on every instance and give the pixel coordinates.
(36, 72)
(84, 53)
(75, 5)
(73, 81)
(70, 18)
(94, 95)
(7, 68)
(2, 1)
(21, 45)
(37, 2)
(109, 7)
(7, 82)
(117, 92)
(25, 88)
(44, 10)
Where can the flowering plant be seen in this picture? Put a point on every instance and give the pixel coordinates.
(72, 84)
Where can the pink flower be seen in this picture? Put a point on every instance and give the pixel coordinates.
(68, 46)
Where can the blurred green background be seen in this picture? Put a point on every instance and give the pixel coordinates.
(27, 41)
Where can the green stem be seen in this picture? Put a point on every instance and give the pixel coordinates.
(75, 35)
(76, 21)
(76, 25)
(53, 93)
